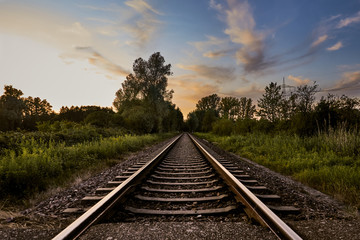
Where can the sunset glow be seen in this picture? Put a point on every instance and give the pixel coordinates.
(79, 52)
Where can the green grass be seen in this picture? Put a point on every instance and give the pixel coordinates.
(329, 162)
(36, 164)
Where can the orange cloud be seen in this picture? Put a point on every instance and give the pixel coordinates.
(319, 40)
(349, 81)
(336, 46)
(218, 74)
(350, 20)
(299, 80)
(188, 91)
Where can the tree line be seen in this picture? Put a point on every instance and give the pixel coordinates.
(143, 105)
(296, 113)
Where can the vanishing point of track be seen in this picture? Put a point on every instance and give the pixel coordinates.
(183, 179)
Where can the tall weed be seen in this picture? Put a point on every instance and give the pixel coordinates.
(38, 164)
(329, 161)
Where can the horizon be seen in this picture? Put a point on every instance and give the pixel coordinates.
(78, 53)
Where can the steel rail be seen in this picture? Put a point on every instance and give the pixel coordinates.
(254, 207)
(101, 209)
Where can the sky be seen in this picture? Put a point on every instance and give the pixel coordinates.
(78, 52)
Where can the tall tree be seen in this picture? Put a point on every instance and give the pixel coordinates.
(229, 107)
(270, 103)
(246, 108)
(210, 102)
(148, 82)
(146, 90)
(305, 97)
(11, 108)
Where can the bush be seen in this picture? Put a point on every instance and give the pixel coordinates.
(223, 127)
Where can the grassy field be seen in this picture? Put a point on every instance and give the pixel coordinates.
(329, 162)
(34, 165)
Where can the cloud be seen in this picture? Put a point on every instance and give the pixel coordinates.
(210, 43)
(188, 91)
(349, 81)
(112, 8)
(218, 74)
(349, 67)
(350, 20)
(241, 31)
(100, 61)
(144, 25)
(142, 6)
(217, 54)
(299, 80)
(253, 91)
(216, 6)
(336, 46)
(319, 40)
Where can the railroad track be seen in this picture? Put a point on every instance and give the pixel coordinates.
(182, 180)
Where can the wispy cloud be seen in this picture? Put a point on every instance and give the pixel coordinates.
(349, 20)
(189, 90)
(216, 6)
(349, 67)
(299, 80)
(112, 8)
(209, 43)
(349, 81)
(144, 25)
(253, 91)
(100, 61)
(142, 6)
(241, 30)
(218, 54)
(335, 47)
(319, 40)
(218, 74)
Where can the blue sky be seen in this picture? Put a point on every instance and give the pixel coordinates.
(79, 52)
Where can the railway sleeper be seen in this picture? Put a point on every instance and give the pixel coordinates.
(113, 183)
(284, 209)
(200, 199)
(183, 178)
(215, 188)
(179, 169)
(182, 173)
(183, 183)
(181, 212)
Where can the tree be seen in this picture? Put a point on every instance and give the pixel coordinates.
(246, 108)
(11, 108)
(305, 97)
(270, 103)
(192, 122)
(210, 102)
(146, 90)
(229, 107)
(148, 82)
(35, 110)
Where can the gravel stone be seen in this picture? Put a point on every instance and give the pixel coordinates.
(321, 216)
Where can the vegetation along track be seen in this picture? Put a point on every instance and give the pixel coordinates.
(182, 180)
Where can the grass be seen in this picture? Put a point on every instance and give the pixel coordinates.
(36, 165)
(329, 162)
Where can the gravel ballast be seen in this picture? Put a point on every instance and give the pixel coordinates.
(321, 216)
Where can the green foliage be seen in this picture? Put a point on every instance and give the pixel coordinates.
(38, 164)
(270, 103)
(223, 127)
(328, 161)
(143, 102)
